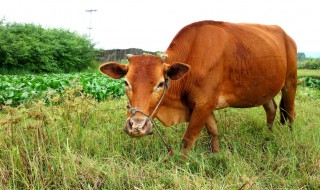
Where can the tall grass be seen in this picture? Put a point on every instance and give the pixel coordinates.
(79, 143)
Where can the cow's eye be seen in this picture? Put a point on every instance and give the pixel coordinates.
(126, 84)
(160, 85)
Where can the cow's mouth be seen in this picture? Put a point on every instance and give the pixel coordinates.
(138, 127)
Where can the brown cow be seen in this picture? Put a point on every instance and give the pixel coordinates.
(210, 65)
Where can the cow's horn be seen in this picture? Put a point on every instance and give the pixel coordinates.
(163, 57)
(129, 56)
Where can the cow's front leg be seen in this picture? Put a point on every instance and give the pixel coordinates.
(197, 122)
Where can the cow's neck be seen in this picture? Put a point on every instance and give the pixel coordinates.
(173, 109)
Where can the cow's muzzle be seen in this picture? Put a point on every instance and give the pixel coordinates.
(138, 126)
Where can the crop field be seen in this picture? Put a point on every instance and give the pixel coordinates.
(66, 132)
(17, 89)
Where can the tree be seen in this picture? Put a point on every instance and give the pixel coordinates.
(36, 49)
(301, 56)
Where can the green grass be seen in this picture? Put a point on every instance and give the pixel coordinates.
(308, 73)
(80, 144)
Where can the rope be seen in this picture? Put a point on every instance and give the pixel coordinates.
(169, 148)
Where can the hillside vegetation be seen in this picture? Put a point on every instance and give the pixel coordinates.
(119, 54)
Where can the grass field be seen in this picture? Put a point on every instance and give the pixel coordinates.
(80, 144)
(308, 73)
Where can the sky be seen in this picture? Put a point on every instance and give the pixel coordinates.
(151, 25)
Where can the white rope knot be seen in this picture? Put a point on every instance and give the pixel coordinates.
(132, 111)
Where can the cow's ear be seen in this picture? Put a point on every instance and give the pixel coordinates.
(114, 70)
(177, 70)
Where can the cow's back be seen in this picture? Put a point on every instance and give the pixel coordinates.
(233, 65)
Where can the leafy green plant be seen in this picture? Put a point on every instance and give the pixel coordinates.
(15, 89)
(310, 82)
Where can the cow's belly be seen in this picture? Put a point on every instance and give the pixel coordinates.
(236, 102)
(251, 83)
(247, 95)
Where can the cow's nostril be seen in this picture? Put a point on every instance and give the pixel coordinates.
(128, 125)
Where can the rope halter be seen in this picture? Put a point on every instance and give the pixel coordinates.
(134, 110)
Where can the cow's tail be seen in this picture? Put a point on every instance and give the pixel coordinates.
(283, 113)
(287, 102)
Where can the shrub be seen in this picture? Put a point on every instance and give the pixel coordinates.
(36, 49)
(309, 64)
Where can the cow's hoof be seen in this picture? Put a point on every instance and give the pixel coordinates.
(214, 147)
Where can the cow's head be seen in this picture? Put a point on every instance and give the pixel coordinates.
(145, 83)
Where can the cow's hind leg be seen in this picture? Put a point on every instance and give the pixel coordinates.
(212, 128)
(270, 108)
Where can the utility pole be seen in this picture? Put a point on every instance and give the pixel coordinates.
(90, 19)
